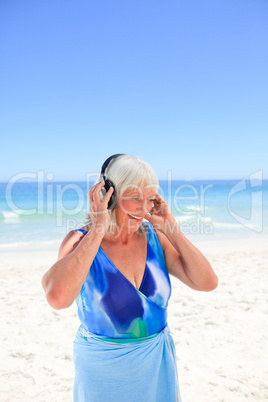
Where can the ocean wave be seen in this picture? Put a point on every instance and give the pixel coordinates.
(19, 215)
(31, 244)
(185, 218)
(195, 208)
(224, 225)
(193, 218)
(219, 225)
(9, 216)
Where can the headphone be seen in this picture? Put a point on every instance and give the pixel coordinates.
(109, 183)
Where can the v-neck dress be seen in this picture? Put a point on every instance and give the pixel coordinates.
(109, 305)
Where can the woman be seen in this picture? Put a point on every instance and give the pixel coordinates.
(117, 268)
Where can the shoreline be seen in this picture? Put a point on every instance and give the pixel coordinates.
(234, 243)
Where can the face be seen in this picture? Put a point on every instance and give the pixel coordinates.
(132, 206)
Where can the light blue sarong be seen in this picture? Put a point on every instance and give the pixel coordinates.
(115, 371)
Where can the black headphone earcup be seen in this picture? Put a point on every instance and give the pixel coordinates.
(112, 202)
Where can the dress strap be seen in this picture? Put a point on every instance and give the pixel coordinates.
(82, 230)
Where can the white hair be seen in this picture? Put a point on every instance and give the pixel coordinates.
(128, 172)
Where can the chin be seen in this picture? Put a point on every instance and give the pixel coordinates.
(133, 226)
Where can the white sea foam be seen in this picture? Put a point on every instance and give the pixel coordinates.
(185, 218)
(9, 216)
(237, 226)
(31, 245)
(196, 208)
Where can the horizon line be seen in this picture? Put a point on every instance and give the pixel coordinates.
(83, 181)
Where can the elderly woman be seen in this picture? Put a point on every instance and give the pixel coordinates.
(117, 268)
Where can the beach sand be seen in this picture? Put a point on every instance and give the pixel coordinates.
(221, 337)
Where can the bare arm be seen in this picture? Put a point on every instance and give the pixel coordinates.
(186, 262)
(183, 259)
(63, 281)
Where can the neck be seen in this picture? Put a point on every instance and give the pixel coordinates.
(123, 236)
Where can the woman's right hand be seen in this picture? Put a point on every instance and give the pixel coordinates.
(98, 208)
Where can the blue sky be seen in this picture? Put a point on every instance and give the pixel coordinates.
(182, 84)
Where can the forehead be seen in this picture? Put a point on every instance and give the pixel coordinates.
(141, 190)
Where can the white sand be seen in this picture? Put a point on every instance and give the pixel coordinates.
(221, 337)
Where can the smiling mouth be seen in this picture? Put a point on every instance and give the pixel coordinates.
(138, 218)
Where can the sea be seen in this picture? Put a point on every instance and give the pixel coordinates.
(39, 211)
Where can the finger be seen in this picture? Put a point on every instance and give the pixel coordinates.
(97, 190)
(156, 208)
(108, 195)
(159, 198)
(91, 193)
(148, 217)
(155, 211)
(101, 184)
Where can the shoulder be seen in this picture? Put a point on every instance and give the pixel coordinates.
(163, 241)
(165, 244)
(155, 236)
(153, 232)
(70, 242)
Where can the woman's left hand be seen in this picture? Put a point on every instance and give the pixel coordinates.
(160, 215)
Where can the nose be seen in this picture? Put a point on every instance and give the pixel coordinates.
(146, 207)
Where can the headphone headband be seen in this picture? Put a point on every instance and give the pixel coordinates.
(106, 163)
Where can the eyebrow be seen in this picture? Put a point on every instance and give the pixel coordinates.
(139, 195)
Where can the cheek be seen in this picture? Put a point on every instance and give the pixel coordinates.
(127, 206)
